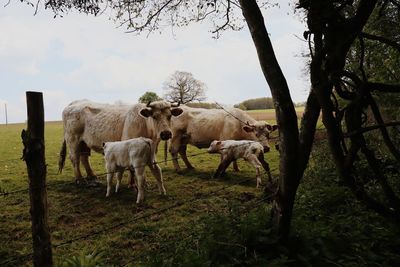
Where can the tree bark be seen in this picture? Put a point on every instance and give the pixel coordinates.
(291, 168)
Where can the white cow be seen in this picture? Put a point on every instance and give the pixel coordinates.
(135, 154)
(199, 127)
(231, 150)
(87, 125)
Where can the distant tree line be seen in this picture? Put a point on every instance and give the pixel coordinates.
(202, 105)
(256, 103)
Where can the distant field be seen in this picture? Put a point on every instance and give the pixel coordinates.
(75, 211)
(269, 114)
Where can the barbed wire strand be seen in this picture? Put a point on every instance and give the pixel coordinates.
(7, 193)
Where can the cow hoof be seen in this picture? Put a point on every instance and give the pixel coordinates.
(93, 183)
(79, 181)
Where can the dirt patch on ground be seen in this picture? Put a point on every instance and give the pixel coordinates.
(262, 115)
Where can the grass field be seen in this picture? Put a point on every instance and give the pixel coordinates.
(201, 222)
(269, 114)
(76, 211)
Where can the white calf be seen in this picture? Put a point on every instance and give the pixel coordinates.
(135, 154)
(231, 150)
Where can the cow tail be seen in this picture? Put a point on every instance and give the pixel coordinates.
(165, 152)
(61, 159)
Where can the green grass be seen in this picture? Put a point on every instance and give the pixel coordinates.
(79, 210)
(215, 221)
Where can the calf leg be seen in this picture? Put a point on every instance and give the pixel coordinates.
(110, 174)
(139, 171)
(265, 166)
(257, 164)
(119, 178)
(131, 179)
(235, 166)
(222, 167)
(156, 171)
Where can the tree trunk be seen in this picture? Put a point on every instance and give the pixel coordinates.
(291, 167)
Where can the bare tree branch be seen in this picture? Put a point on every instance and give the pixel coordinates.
(386, 138)
(371, 128)
(382, 39)
(382, 87)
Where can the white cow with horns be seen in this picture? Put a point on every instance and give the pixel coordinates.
(87, 125)
(199, 127)
(135, 154)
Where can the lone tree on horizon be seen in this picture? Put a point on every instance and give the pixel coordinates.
(149, 97)
(182, 87)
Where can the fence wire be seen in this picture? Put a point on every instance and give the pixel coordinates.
(5, 193)
(126, 223)
(177, 204)
(245, 209)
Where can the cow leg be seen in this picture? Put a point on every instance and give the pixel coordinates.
(173, 149)
(257, 164)
(175, 162)
(182, 152)
(74, 151)
(156, 171)
(235, 166)
(84, 157)
(139, 172)
(265, 166)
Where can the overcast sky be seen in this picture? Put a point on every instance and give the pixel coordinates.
(80, 56)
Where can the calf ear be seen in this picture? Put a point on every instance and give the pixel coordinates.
(176, 111)
(146, 112)
(248, 129)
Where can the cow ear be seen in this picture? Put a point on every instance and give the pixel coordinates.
(176, 111)
(104, 144)
(248, 129)
(272, 128)
(146, 112)
(218, 143)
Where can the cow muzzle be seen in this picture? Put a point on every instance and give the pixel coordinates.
(165, 135)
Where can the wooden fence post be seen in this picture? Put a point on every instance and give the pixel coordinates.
(34, 156)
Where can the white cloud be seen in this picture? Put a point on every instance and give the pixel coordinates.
(80, 56)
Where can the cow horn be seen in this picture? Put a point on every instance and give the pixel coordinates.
(176, 105)
(148, 104)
